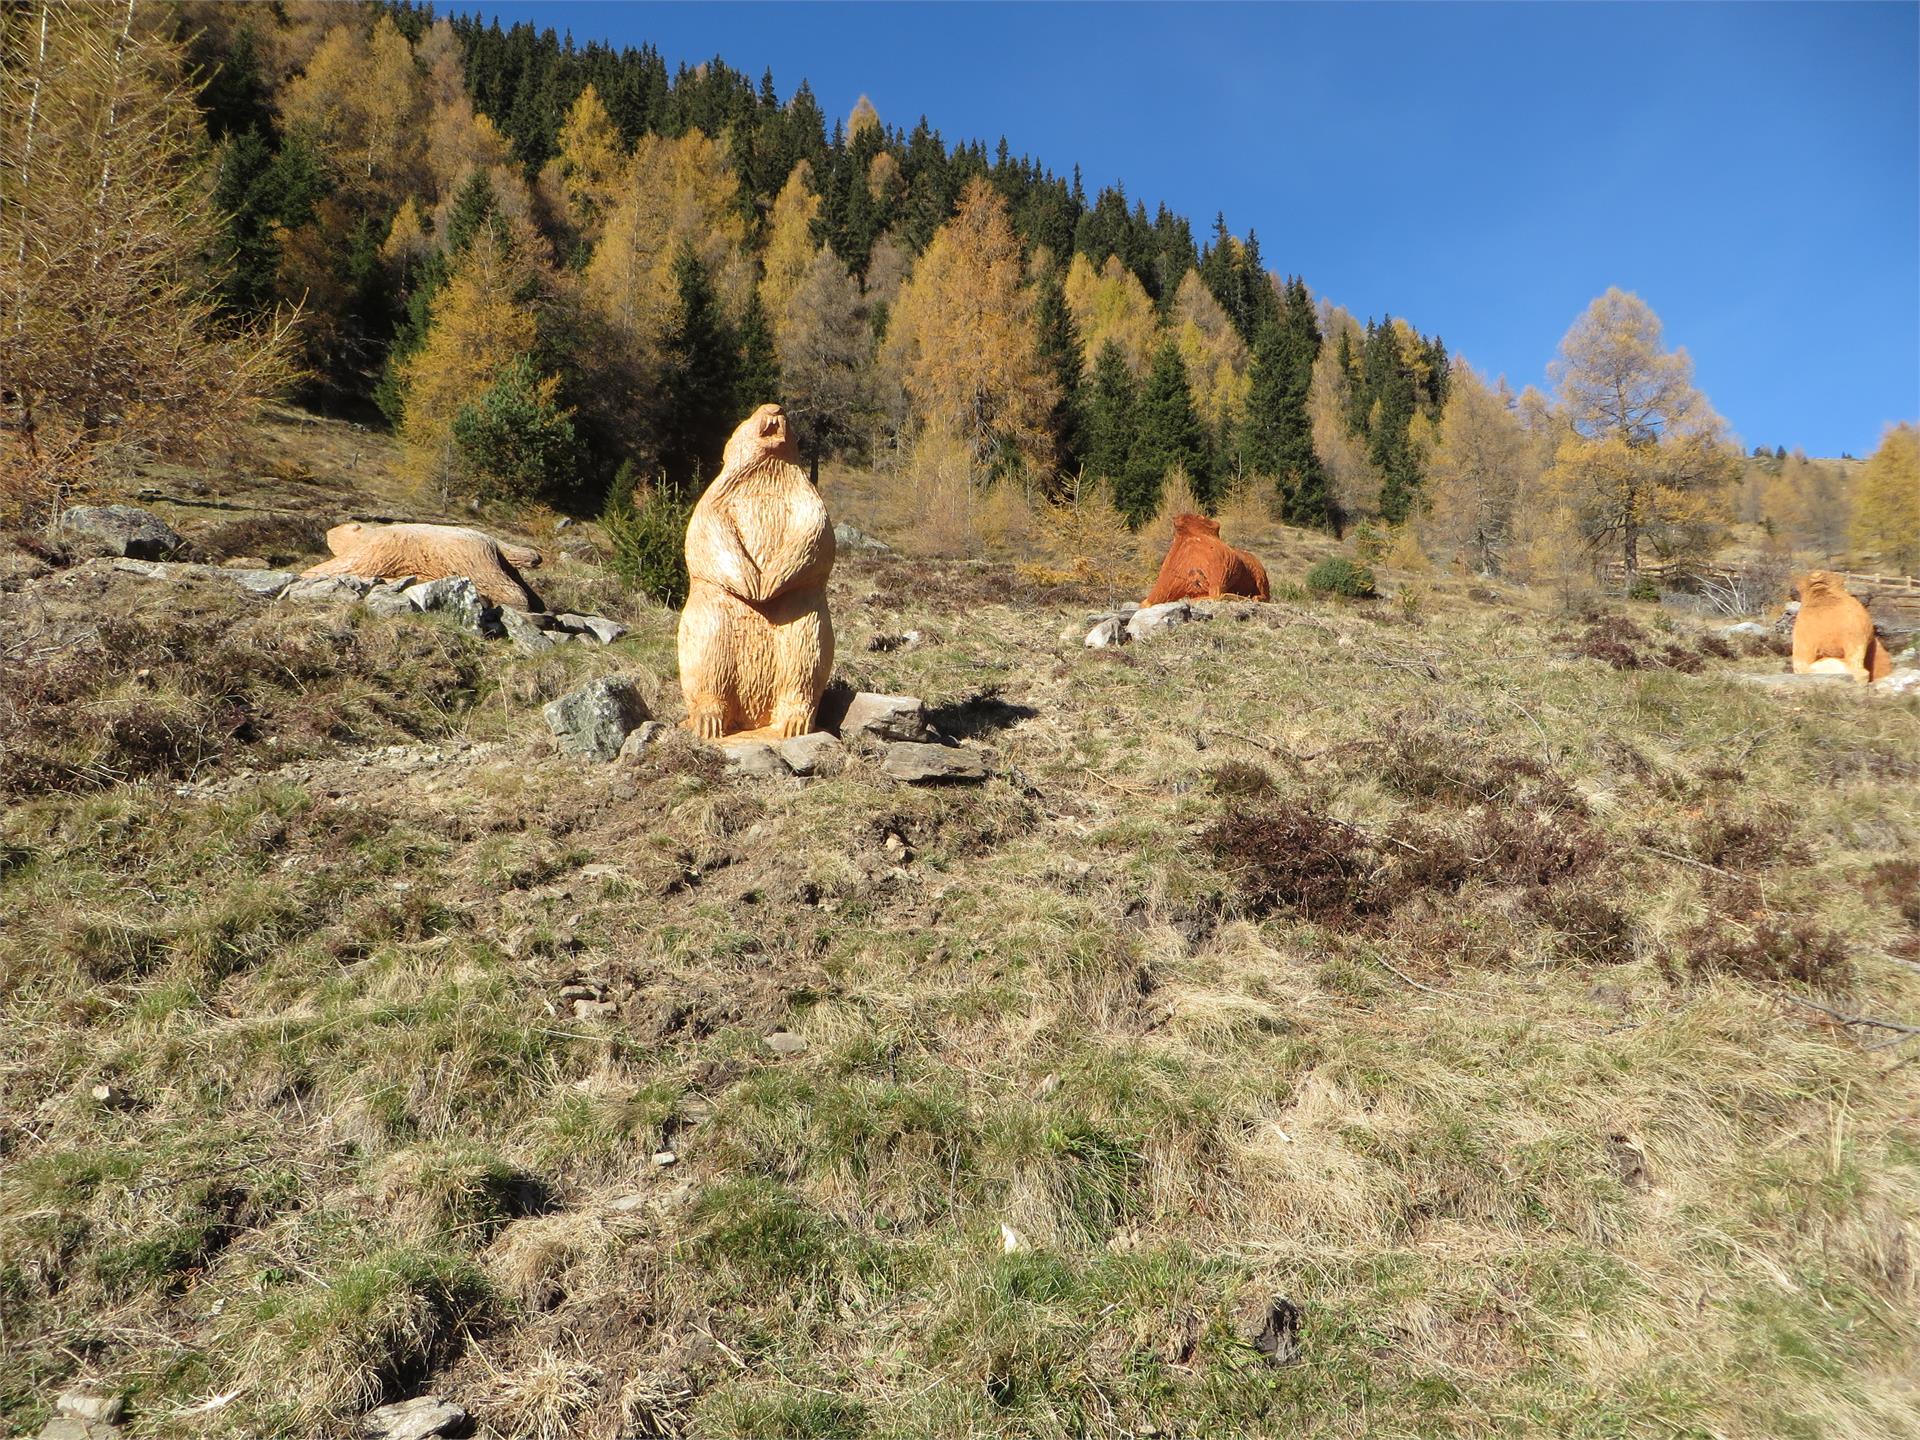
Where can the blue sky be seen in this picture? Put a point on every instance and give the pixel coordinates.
(1751, 170)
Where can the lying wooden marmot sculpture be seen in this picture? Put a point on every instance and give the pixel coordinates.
(432, 552)
(1833, 632)
(1202, 566)
(756, 643)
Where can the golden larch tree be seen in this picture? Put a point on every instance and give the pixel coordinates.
(677, 191)
(962, 337)
(1480, 463)
(790, 249)
(1215, 355)
(475, 328)
(1643, 458)
(1111, 304)
(113, 337)
(1886, 502)
(591, 163)
(362, 102)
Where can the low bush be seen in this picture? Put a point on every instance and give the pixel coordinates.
(648, 532)
(1337, 575)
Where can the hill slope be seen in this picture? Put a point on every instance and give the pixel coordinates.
(1353, 1019)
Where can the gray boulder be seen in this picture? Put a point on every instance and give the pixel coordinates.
(122, 530)
(815, 754)
(915, 763)
(758, 759)
(525, 632)
(267, 583)
(1153, 619)
(1745, 627)
(1901, 682)
(845, 537)
(419, 1419)
(599, 626)
(324, 588)
(1107, 633)
(594, 721)
(642, 737)
(457, 596)
(389, 598)
(883, 717)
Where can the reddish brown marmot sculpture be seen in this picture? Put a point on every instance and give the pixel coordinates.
(432, 552)
(1202, 566)
(1834, 632)
(756, 643)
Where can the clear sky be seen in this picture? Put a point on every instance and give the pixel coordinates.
(1751, 170)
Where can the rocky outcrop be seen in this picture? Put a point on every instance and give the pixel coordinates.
(594, 721)
(121, 530)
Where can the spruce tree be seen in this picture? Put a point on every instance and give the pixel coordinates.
(759, 382)
(1277, 435)
(1389, 382)
(1059, 341)
(1110, 415)
(698, 379)
(1166, 433)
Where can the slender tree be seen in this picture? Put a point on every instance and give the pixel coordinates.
(1166, 433)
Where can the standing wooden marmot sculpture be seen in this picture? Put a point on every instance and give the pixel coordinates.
(432, 552)
(756, 644)
(1834, 632)
(1202, 566)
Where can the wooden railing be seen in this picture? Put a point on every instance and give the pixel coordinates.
(1615, 573)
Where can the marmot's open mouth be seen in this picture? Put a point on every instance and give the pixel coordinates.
(771, 427)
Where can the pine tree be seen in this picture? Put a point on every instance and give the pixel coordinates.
(1390, 393)
(1166, 433)
(698, 381)
(759, 380)
(1060, 357)
(1277, 439)
(1110, 420)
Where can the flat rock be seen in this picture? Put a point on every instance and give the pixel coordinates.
(846, 537)
(92, 1405)
(1107, 633)
(1901, 682)
(72, 1427)
(1152, 619)
(419, 1419)
(785, 1042)
(883, 717)
(325, 588)
(525, 633)
(269, 583)
(815, 754)
(758, 759)
(122, 530)
(594, 721)
(599, 626)
(914, 762)
(1745, 627)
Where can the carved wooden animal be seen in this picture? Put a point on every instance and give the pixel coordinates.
(1833, 632)
(432, 552)
(756, 642)
(1202, 566)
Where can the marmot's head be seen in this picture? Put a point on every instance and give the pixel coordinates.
(1817, 583)
(1195, 525)
(763, 435)
(344, 536)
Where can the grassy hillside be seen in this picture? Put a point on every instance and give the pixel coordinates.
(1405, 1018)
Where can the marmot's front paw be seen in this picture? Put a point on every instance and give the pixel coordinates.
(792, 719)
(708, 722)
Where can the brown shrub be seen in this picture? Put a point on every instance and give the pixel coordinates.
(1896, 883)
(1776, 951)
(1289, 858)
(1238, 777)
(1745, 842)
